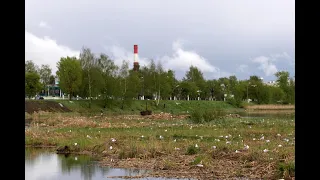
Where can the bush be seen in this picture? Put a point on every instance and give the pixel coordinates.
(192, 150)
(286, 170)
(197, 116)
(200, 116)
(234, 102)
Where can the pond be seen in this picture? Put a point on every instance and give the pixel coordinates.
(267, 113)
(44, 164)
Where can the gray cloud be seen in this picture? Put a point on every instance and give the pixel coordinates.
(223, 33)
(242, 68)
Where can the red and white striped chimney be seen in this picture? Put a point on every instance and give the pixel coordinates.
(135, 51)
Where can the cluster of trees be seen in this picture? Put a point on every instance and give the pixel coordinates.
(93, 75)
(37, 78)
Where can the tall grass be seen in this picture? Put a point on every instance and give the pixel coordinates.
(201, 116)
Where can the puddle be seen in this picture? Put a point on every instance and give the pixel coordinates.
(43, 164)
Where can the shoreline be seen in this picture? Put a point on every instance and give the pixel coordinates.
(174, 147)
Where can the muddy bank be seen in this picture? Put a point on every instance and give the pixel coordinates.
(225, 166)
(44, 105)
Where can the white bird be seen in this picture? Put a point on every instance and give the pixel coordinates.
(75, 158)
(175, 140)
(265, 150)
(286, 139)
(226, 137)
(254, 139)
(217, 140)
(196, 146)
(200, 164)
(70, 130)
(237, 151)
(246, 147)
(214, 147)
(110, 148)
(262, 138)
(113, 140)
(228, 142)
(75, 144)
(142, 136)
(278, 134)
(267, 140)
(88, 136)
(177, 149)
(221, 136)
(165, 130)
(279, 145)
(161, 137)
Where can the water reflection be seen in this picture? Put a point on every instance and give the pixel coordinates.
(267, 113)
(42, 164)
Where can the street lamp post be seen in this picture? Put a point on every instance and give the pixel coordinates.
(198, 94)
(174, 97)
(253, 85)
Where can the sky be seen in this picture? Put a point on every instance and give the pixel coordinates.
(220, 37)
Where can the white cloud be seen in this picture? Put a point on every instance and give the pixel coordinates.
(242, 68)
(283, 56)
(266, 65)
(180, 60)
(44, 25)
(46, 50)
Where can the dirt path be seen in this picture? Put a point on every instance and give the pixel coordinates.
(42, 105)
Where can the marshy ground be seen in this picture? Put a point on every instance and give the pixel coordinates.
(173, 146)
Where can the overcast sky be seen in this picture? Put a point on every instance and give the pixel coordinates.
(220, 37)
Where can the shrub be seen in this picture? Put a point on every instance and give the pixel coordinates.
(196, 116)
(286, 170)
(192, 150)
(199, 116)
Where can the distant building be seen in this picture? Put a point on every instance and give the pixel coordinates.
(271, 83)
(52, 89)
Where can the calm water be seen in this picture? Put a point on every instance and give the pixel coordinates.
(41, 164)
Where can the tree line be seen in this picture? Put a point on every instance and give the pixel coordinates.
(93, 75)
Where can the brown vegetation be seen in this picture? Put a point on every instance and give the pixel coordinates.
(270, 107)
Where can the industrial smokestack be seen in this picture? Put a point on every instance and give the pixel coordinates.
(135, 58)
(135, 51)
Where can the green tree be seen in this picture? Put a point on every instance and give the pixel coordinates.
(276, 94)
(45, 73)
(195, 76)
(109, 73)
(52, 80)
(126, 98)
(32, 84)
(87, 62)
(287, 85)
(70, 75)
(31, 67)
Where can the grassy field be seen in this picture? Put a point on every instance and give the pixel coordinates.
(174, 146)
(173, 107)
